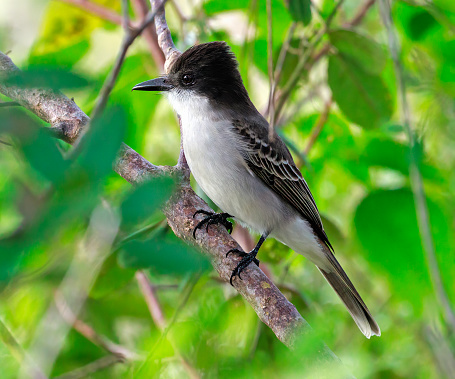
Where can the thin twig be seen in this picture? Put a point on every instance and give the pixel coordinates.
(125, 15)
(153, 304)
(97, 10)
(89, 333)
(271, 107)
(141, 10)
(191, 283)
(164, 35)
(17, 351)
(319, 126)
(75, 286)
(415, 175)
(357, 19)
(301, 65)
(149, 293)
(85, 371)
(283, 53)
(129, 38)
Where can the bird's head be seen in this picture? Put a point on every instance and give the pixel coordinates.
(207, 72)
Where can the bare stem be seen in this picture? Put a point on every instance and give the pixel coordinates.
(319, 126)
(416, 178)
(88, 332)
(301, 65)
(283, 53)
(271, 107)
(149, 293)
(129, 38)
(141, 10)
(191, 283)
(85, 371)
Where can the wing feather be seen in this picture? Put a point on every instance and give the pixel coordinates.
(273, 164)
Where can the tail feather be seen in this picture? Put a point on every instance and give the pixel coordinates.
(351, 298)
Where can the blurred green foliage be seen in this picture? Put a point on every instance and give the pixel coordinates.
(358, 171)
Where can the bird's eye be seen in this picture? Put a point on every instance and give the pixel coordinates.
(187, 79)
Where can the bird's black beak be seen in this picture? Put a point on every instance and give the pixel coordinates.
(158, 84)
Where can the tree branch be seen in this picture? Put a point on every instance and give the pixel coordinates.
(141, 10)
(129, 38)
(319, 126)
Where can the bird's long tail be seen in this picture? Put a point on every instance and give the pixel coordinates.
(340, 282)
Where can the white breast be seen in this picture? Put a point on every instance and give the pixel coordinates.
(210, 146)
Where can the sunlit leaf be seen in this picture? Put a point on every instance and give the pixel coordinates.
(363, 97)
(64, 58)
(361, 50)
(386, 225)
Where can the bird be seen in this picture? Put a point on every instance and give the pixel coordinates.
(245, 170)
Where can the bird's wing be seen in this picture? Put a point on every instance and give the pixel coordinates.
(273, 164)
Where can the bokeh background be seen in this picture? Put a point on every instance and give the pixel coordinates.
(73, 231)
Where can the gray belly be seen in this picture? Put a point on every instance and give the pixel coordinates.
(226, 180)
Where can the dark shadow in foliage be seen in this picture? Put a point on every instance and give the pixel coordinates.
(144, 200)
(164, 253)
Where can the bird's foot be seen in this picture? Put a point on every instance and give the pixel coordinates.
(212, 219)
(247, 258)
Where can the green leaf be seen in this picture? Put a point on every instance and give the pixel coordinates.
(99, 146)
(146, 199)
(361, 50)
(386, 225)
(164, 253)
(300, 10)
(39, 147)
(396, 156)
(64, 58)
(362, 97)
(51, 165)
(111, 277)
(416, 21)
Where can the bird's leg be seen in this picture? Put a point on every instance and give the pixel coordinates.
(247, 258)
(212, 219)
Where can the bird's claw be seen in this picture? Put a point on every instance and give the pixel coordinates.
(212, 219)
(247, 258)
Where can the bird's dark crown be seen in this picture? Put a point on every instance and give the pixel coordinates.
(211, 70)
